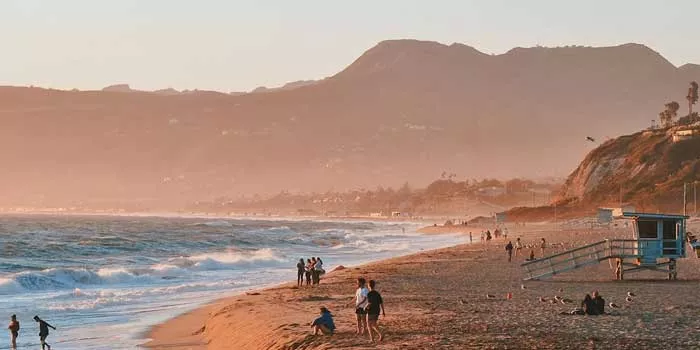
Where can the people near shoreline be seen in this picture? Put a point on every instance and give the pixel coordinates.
(482, 236)
(301, 269)
(43, 332)
(470, 237)
(599, 303)
(543, 245)
(518, 246)
(509, 250)
(360, 305)
(313, 270)
(307, 271)
(318, 270)
(375, 304)
(14, 331)
(324, 324)
(488, 235)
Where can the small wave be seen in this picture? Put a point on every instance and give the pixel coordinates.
(222, 261)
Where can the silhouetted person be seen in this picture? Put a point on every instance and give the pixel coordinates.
(588, 305)
(301, 268)
(14, 331)
(599, 303)
(307, 271)
(509, 250)
(43, 332)
(375, 304)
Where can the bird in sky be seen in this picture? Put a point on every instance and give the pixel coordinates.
(590, 139)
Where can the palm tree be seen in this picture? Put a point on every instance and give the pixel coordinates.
(692, 96)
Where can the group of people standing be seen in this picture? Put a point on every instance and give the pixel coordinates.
(312, 270)
(43, 331)
(368, 306)
(514, 249)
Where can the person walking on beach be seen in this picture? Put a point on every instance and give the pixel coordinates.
(518, 246)
(374, 304)
(301, 268)
(543, 245)
(307, 271)
(14, 331)
(509, 250)
(470, 237)
(324, 324)
(43, 332)
(360, 305)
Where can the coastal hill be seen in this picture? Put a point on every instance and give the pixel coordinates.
(646, 170)
(405, 110)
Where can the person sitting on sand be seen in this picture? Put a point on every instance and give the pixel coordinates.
(509, 250)
(301, 268)
(360, 305)
(14, 331)
(589, 306)
(324, 324)
(532, 255)
(374, 304)
(599, 303)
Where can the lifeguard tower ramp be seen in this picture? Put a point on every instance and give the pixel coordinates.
(658, 240)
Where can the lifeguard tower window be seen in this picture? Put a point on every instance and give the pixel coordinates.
(670, 229)
(648, 229)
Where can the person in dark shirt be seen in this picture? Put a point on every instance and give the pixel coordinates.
(588, 306)
(509, 250)
(324, 324)
(375, 305)
(43, 332)
(599, 303)
(301, 268)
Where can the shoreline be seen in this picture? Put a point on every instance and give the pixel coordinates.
(437, 299)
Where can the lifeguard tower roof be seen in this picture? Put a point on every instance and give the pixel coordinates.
(654, 216)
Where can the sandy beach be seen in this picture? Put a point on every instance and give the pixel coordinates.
(438, 300)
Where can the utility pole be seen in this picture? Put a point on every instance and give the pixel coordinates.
(695, 198)
(685, 184)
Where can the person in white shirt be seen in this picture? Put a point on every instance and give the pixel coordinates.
(518, 246)
(360, 305)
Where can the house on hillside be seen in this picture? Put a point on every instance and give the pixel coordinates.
(686, 133)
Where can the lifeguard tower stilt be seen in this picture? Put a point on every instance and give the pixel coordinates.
(658, 241)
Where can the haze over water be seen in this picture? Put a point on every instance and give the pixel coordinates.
(102, 281)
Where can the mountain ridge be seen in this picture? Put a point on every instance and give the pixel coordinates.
(402, 111)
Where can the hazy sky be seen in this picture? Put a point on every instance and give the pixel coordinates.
(231, 45)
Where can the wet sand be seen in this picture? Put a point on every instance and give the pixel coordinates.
(438, 300)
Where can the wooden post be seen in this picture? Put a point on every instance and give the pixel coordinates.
(619, 271)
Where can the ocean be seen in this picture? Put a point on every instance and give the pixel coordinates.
(103, 281)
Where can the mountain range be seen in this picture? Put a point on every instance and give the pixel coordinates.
(404, 111)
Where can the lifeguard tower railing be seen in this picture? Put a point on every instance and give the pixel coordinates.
(596, 252)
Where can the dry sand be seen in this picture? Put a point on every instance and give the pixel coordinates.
(437, 300)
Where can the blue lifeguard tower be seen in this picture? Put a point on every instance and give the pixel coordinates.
(658, 240)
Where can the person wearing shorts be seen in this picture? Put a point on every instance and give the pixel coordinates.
(14, 331)
(360, 305)
(375, 304)
(43, 332)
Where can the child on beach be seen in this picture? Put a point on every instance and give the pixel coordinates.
(43, 332)
(374, 304)
(324, 324)
(14, 331)
(360, 305)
